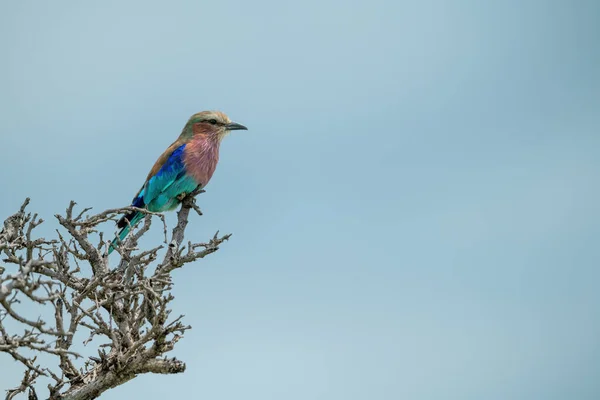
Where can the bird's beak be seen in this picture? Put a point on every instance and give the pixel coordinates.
(234, 126)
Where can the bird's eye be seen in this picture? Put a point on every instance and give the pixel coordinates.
(212, 121)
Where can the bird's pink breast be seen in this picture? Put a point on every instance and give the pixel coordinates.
(200, 158)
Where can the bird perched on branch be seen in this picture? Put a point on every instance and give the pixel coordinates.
(186, 165)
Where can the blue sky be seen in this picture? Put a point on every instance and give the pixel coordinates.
(414, 209)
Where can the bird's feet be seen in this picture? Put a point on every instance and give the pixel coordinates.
(193, 193)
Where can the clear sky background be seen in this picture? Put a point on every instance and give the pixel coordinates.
(415, 208)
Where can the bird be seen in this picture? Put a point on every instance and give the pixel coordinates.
(185, 166)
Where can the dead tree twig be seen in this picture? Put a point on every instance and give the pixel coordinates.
(124, 309)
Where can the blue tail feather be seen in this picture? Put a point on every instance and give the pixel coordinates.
(133, 220)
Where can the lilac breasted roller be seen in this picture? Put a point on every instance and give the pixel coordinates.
(186, 165)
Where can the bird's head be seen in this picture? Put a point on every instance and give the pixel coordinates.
(213, 123)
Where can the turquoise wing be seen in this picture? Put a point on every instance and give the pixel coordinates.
(161, 191)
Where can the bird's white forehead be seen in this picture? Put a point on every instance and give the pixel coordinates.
(218, 115)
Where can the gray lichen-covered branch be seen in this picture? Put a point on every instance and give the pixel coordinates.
(103, 325)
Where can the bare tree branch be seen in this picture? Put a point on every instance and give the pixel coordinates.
(125, 308)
